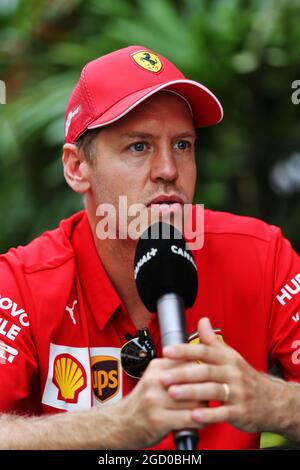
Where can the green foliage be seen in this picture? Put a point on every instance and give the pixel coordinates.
(247, 52)
(271, 440)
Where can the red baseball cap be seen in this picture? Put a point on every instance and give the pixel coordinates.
(112, 85)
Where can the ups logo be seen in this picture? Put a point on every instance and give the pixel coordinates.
(105, 377)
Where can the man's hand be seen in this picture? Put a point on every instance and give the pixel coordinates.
(149, 412)
(248, 396)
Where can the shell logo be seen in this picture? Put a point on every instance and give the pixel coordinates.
(69, 377)
(147, 60)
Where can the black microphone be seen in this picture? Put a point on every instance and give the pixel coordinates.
(166, 278)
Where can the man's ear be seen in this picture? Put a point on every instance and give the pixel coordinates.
(76, 169)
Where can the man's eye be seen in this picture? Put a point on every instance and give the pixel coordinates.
(138, 147)
(182, 145)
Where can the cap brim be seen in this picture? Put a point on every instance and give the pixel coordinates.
(206, 108)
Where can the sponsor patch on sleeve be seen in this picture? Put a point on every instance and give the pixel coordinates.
(106, 375)
(68, 381)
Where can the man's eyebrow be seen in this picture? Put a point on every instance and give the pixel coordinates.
(147, 135)
(139, 134)
(182, 135)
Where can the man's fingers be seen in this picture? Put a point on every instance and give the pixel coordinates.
(206, 333)
(197, 392)
(218, 414)
(186, 404)
(194, 373)
(195, 352)
(182, 419)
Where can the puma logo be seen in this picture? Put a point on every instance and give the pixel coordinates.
(70, 310)
(71, 115)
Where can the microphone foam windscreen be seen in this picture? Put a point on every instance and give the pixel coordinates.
(163, 265)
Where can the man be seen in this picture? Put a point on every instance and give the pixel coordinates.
(69, 305)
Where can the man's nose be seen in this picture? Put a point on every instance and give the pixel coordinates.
(164, 166)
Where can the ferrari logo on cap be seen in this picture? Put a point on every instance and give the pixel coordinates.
(147, 60)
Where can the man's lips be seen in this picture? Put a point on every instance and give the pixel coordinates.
(164, 204)
(163, 199)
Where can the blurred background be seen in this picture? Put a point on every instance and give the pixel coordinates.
(247, 52)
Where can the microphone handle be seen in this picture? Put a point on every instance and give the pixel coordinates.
(171, 316)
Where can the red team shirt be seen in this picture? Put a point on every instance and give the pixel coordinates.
(62, 323)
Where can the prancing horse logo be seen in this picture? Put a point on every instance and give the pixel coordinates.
(147, 60)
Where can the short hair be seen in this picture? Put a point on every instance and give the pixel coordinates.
(86, 143)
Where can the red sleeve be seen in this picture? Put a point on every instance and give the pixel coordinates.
(18, 364)
(284, 324)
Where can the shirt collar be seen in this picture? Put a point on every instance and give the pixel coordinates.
(101, 296)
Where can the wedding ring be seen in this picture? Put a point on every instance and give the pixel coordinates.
(227, 392)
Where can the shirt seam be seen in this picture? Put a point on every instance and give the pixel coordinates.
(240, 235)
(35, 270)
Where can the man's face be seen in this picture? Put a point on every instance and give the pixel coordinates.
(148, 156)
